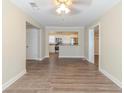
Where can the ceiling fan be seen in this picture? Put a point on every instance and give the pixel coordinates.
(62, 7)
(69, 6)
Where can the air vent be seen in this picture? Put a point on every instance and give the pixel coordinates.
(33, 4)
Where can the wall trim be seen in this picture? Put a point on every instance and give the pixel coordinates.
(40, 59)
(12, 80)
(37, 59)
(115, 80)
(71, 57)
(53, 28)
(33, 58)
(85, 58)
(46, 57)
(67, 57)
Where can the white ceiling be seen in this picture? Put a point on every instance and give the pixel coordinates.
(45, 15)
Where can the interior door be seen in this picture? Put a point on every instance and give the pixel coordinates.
(32, 44)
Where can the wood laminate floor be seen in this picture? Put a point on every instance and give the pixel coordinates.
(96, 60)
(62, 76)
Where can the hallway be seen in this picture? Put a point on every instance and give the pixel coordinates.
(62, 75)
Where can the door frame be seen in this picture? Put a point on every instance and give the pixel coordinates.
(91, 46)
(38, 30)
(93, 26)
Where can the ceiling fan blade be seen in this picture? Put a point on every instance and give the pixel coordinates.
(52, 11)
(74, 11)
(84, 2)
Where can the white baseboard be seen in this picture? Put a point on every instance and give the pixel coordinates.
(46, 57)
(116, 81)
(11, 81)
(37, 59)
(70, 56)
(67, 57)
(85, 58)
(40, 59)
(33, 58)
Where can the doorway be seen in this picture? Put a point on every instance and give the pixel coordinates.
(94, 45)
(32, 42)
(62, 43)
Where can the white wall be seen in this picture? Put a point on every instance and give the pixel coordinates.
(43, 43)
(68, 51)
(71, 51)
(110, 43)
(14, 42)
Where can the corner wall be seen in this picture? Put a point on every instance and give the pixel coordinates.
(14, 43)
(110, 43)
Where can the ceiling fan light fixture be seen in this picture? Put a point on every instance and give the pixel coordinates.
(62, 10)
(63, 6)
(59, 2)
